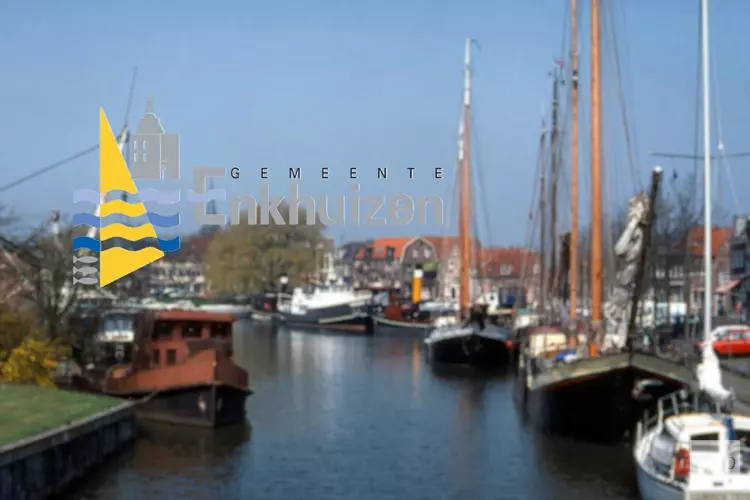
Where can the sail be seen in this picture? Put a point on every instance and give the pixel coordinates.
(628, 250)
(709, 377)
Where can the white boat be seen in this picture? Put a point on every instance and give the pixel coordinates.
(701, 453)
(687, 451)
(227, 308)
(335, 306)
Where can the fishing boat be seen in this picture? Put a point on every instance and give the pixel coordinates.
(695, 446)
(470, 338)
(336, 307)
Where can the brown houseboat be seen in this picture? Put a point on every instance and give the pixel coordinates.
(182, 370)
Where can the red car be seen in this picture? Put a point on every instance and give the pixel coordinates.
(735, 342)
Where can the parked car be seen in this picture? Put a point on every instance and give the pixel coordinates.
(732, 340)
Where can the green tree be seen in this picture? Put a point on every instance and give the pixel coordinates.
(247, 257)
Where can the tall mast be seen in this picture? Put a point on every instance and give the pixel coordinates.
(553, 184)
(574, 162)
(464, 223)
(707, 229)
(596, 179)
(542, 225)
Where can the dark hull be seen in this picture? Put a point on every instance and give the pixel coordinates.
(471, 350)
(338, 317)
(200, 405)
(598, 408)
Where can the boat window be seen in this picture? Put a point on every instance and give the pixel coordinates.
(155, 356)
(705, 442)
(171, 356)
(191, 330)
(219, 330)
(162, 330)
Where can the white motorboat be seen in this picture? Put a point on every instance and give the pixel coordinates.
(690, 450)
(336, 306)
(697, 451)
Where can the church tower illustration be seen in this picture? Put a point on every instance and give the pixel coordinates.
(154, 151)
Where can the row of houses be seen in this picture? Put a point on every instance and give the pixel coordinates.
(674, 276)
(390, 263)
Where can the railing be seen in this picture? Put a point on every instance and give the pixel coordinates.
(672, 404)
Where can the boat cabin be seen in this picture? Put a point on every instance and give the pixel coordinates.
(177, 335)
(701, 444)
(551, 340)
(690, 446)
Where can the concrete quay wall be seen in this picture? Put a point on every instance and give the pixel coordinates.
(42, 465)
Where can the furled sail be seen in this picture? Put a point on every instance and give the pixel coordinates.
(628, 250)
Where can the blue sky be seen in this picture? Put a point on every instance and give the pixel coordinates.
(366, 84)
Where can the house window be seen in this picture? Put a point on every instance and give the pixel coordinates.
(220, 330)
(155, 356)
(536, 268)
(427, 253)
(171, 356)
(415, 253)
(505, 269)
(191, 330)
(162, 330)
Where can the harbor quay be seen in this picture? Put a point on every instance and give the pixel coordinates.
(49, 437)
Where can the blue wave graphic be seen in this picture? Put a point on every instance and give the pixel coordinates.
(210, 195)
(147, 195)
(161, 197)
(158, 220)
(163, 220)
(79, 242)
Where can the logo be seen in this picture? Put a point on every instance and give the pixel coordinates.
(125, 248)
(122, 237)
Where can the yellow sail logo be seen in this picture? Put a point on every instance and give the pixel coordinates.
(117, 262)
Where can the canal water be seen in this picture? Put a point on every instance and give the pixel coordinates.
(337, 416)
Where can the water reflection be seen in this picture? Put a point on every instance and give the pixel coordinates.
(348, 416)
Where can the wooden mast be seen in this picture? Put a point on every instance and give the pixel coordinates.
(464, 222)
(574, 161)
(542, 225)
(553, 184)
(596, 182)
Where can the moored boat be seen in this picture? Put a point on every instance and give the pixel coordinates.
(468, 337)
(183, 371)
(412, 316)
(690, 449)
(334, 307)
(700, 451)
(475, 342)
(264, 307)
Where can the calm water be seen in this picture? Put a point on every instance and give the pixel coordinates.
(343, 417)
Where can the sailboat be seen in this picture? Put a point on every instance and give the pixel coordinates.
(471, 338)
(566, 381)
(695, 447)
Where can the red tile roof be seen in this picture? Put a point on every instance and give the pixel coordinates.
(719, 236)
(380, 246)
(493, 260)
